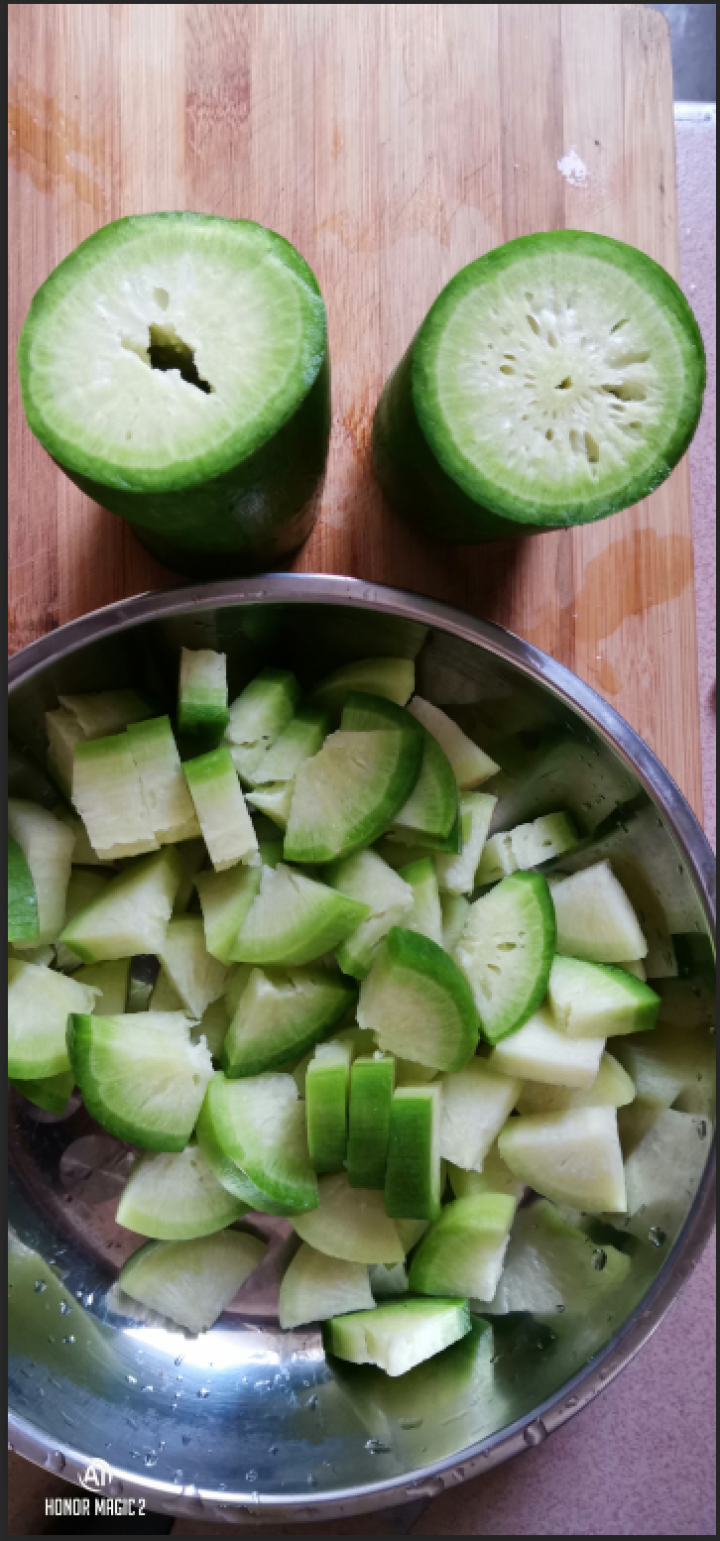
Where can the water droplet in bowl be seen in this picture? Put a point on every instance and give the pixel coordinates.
(55, 1461)
(657, 1236)
(376, 1447)
(535, 1433)
(39, 1286)
(65, 1309)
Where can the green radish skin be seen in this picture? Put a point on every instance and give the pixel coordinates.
(232, 482)
(192, 1282)
(51, 1093)
(294, 920)
(506, 952)
(426, 915)
(226, 826)
(351, 1224)
(368, 879)
(372, 1082)
(573, 1157)
(612, 1087)
(197, 976)
(589, 999)
(469, 763)
(449, 448)
(140, 1076)
(299, 741)
(23, 924)
(131, 914)
(398, 1335)
(164, 788)
(347, 794)
(281, 1015)
(40, 1002)
(540, 1051)
(393, 679)
(315, 1287)
(418, 1003)
(431, 811)
(258, 716)
(202, 712)
(108, 794)
(255, 1129)
(226, 899)
(47, 846)
(595, 919)
(463, 1252)
(176, 1197)
(326, 1106)
(413, 1188)
(110, 981)
(476, 1104)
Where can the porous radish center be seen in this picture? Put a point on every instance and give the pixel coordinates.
(165, 350)
(567, 391)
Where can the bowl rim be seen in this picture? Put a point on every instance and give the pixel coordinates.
(318, 588)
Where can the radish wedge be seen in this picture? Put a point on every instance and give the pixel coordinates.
(418, 1003)
(369, 880)
(315, 1287)
(350, 1223)
(540, 1051)
(47, 846)
(40, 1002)
(391, 678)
(345, 797)
(595, 919)
(470, 764)
(476, 1102)
(23, 926)
(203, 696)
(612, 1088)
(413, 1185)
(398, 1335)
(590, 1000)
(164, 787)
(326, 1103)
(294, 920)
(573, 1157)
(463, 1251)
(371, 1095)
(280, 1015)
(131, 914)
(254, 1136)
(176, 1197)
(506, 951)
(192, 1282)
(226, 826)
(140, 1076)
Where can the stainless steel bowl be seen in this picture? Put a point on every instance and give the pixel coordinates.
(248, 1420)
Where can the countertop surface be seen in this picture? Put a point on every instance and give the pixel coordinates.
(639, 1460)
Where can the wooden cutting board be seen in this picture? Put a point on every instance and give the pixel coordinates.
(391, 144)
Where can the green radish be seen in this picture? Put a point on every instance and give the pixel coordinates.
(131, 914)
(107, 792)
(258, 716)
(526, 846)
(495, 1177)
(254, 1136)
(506, 951)
(476, 1103)
(456, 874)
(39, 1004)
(612, 1088)
(372, 1082)
(541, 1051)
(192, 1282)
(347, 794)
(398, 1335)
(591, 999)
(389, 1283)
(140, 1076)
(350, 1223)
(413, 1187)
(470, 765)
(315, 1287)
(176, 1197)
(360, 1043)
(86, 884)
(274, 800)
(110, 981)
(47, 846)
(554, 381)
(452, 1385)
(672, 1067)
(226, 899)
(553, 1266)
(431, 811)
(463, 1252)
(83, 854)
(426, 914)
(50, 1092)
(106, 711)
(23, 924)
(454, 909)
(202, 712)
(226, 826)
(164, 787)
(197, 976)
(327, 1086)
(573, 1157)
(418, 1003)
(294, 920)
(299, 741)
(204, 426)
(393, 679)
(366, 878)
(595, 919)
(63, 733)
(662, 1174)
(280, 1015)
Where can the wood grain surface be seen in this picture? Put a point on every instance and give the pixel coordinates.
(391, 144)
